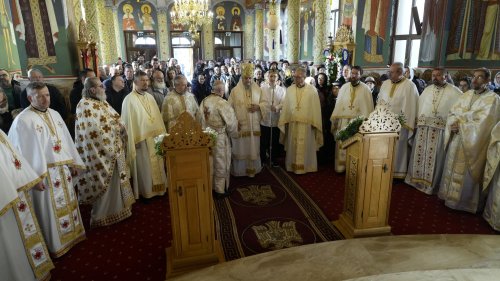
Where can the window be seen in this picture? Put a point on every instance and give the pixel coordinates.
(334, 20)
(406, 40)
(140, 43)
(228, 45)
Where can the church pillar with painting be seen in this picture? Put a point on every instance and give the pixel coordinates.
(273, 23)
(320, 31)
(163, 33)
(293, 40)
(116, 27)
(208, 41)
(259, 32)
(108, 36)
(249, 49)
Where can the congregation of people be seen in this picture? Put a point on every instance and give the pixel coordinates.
(100, 150)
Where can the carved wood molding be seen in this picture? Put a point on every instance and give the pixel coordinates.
(381, 120)
(186, 133)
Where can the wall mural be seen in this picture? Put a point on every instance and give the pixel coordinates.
(474, 37)
(8, 45)
(228, 16)
(306, 30)
(137, 15)
(373, 36)
(41, 32)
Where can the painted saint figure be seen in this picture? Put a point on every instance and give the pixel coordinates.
(128, 20)
(221, 19)
(236, 20)
(146, 18)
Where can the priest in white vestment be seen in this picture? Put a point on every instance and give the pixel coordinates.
(216, 113)
(143, 122)
(25, 256)
(354, 100)
(466, 139)
(100, 138)
(270, 106)
(427, 155)
(41, 136)
(402, 96)
(300, 125)
(177, 101)
(245, 99)
(491, 181)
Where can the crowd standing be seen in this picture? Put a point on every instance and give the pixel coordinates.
(100, 150)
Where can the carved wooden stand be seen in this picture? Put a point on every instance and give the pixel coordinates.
(369, 165)
(190, 195)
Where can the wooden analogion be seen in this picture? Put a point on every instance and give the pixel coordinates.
(194, 244)
(369, 164)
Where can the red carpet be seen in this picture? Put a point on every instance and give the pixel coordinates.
(269, 212)
(135, 248)
(411, 212)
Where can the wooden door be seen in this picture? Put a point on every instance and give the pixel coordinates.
(192, 220)
(377, 182)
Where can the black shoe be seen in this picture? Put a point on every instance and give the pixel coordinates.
(275, 164)
(219, 196)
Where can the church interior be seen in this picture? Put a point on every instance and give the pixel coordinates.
(327, 231)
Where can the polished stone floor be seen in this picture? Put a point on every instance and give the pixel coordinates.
(412, 257)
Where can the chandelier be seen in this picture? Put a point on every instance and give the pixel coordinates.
(193, 13)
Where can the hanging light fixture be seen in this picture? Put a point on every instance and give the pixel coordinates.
(193, 13)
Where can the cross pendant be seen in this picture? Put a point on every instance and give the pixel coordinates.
(297, 108)
(351, 107)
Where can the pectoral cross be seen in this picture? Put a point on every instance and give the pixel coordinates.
(351, 107)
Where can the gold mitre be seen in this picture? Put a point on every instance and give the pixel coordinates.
(247, 69)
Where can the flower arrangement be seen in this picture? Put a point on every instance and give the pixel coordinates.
(158, 142)
(351, 129)
(333, 64)
(213, 134)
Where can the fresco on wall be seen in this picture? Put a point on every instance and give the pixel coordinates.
(306, 30)
(137, 15)
(41, 33)
(373, 36)
(474, 37)
(8, 47)
(228, 16)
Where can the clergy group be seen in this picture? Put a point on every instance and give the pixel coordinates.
(449, 143)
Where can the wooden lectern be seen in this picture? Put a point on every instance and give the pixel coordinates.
(369, 164)
(194, 244)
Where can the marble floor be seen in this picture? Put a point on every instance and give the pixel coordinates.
(412, 257)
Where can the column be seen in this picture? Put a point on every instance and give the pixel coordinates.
(116, 27)
(108, 52)
(274, 53)
(293, 39)
(249, 43)
(163, 34)
(208, 41)
(259, 32)
(91, 18)
(320, 24)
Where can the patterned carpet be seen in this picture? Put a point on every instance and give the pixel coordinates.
(135, 248)
(269, 212)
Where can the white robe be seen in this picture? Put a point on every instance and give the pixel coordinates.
(427, 156)
(246, 146)
(45, 141)
(216, 113)
(175, 104)
(351, 102)
(106, 182)
(402, 98)
(271, 97)
(143, 121)
(24, 253)
(491, 182)
(301, 130)
(461, 184)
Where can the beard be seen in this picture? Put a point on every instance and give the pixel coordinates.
(101, 95)
(160, 86)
